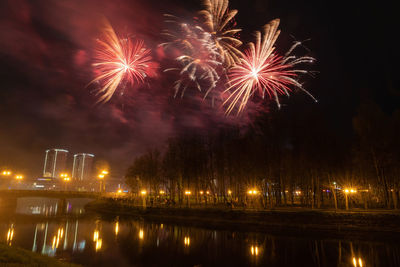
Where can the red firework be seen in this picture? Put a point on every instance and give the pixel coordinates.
(262, 70)
(119, 60)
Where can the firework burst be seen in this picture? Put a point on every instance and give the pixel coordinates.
(197, 56)
(117, 60)
(217, 20)
(262, 70)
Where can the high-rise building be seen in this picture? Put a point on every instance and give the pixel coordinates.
(55, 162)
(82, 168)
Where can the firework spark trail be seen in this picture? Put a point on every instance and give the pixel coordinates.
(118, 60)
(262, 70)
(198, 56)
(217, 20)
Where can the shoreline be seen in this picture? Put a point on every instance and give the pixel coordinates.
(383, 226)
(16, 256)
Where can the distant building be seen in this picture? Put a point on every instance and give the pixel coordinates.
(55, 162)
(82, 168)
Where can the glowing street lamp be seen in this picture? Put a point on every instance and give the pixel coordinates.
(348, 191)
(6, 173)
(252, 192)
(143, 193)
(65, 177)
(188, 193)
(101, 177)
(19, 177)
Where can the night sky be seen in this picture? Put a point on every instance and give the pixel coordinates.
(46, 55)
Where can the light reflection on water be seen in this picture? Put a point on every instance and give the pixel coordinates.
(94, 242)
(50, 206)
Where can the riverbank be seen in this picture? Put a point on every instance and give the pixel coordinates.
(14, 256)
(294, 222)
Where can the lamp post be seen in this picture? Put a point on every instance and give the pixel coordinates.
(101, 178)
(162, 193)
(6, 173)
(252, 192)
(66, 181)
(230, 196)
(187, 193)
(19, 178)
(348, 191)
(143, 193)
(65, 177)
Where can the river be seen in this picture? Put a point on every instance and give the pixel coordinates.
(64, 231)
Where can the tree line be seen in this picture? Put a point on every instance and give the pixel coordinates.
(288, 159)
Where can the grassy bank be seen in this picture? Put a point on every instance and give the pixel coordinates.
(13, 256)
(381, 225)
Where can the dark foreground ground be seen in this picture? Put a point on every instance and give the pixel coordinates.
(12, 256)
(364, 225)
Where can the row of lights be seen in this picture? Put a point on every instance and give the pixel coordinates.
(187, 192)
(65, 177)
(102, 174)
(8, 173)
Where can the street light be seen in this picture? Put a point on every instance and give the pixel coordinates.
(143, 193)
(6, 173)
(19, 177)
(348, 191)
(188, 193)
(101, 177)
(252, 192)
(66, 180)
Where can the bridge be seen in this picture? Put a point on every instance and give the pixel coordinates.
(41, 202)
(48, 193)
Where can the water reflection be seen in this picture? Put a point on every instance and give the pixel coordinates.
(94, 242)
(186, 241)
(98, 241)
(116, 228)
(254, 251)
(101, 243)
(141, 234)
(357, 263)
(50, 206)
(10, 234)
